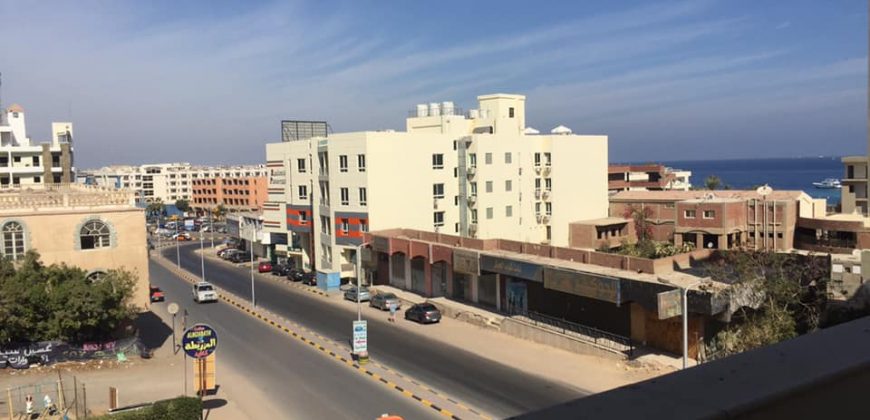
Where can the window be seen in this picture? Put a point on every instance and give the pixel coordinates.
(507, 157)
(439, 218)
(38, 180)
(537, 159)
(508, 185)
(474, 189)
(361, 162)
(94, 234)
(548, 184)
(456, 172)
(345, 196)
(363, 225)
(509, 211)
(13, 240)
(325, 226)
(438, 161)
(472, 160)
(474, 216)
(342, 163)
(549, 208)
(537, 183)
(489, 186)
(689, 214)
(363, 197)
(303, 192)
(511, 112)
(548, 159)
(36, 161)
(456, 227)
(489, 212)
(345, 226)
(438, 190)
(709, 214)
(538, 208)
(487, 158)
(455, 200)
(16, 159)
(669, 205)
(303, 217)
(300, 165)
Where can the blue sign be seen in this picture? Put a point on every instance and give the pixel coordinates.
(199, 341)
(360, 336)
(518, 269)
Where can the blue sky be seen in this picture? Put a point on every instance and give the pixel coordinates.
(209, 82)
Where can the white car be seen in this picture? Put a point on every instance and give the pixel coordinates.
(204, 292)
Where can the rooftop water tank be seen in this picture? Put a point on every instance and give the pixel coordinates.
(434, 109)
(422, 110)
(561, 129)
(447, 108)
(531, 130)
(473, 114)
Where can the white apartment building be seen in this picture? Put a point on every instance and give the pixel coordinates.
(479, 175)
(26, 163)
(166, 181)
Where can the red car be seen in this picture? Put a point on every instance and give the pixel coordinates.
(157, 294)
(264, 267)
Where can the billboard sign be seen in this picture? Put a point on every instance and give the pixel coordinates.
(518, 269)
(302, 130)
(583, 284)
(199, 341)
(669, 304)
(360, 336)
(466, 262)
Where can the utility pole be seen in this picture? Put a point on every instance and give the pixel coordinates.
(177, 251)
(253, 296)
(202, 255)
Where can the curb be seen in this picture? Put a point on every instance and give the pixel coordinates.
(348, 362)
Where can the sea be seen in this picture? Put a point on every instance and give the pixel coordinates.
(778, 173)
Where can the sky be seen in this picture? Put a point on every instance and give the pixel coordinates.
(208, 82)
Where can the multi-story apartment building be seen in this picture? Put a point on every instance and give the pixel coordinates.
(165, 181)
(650, 177)
(477, 175)
(26, 163)
(234, 194)
(856, 189)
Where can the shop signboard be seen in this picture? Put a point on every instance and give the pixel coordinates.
(368, 259)
(381, 244)
(199, 341)
(583, 284)
(513, 268)
(669, 304)
(466, 262)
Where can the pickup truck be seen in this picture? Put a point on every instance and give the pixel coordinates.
(204, 292)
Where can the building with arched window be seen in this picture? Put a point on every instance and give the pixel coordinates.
(97, 229)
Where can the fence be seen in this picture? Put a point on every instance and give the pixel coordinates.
(603, 339)
(65, 397)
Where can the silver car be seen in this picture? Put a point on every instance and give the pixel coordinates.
(383, 301)
(351, 293)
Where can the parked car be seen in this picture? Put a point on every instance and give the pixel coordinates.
(156, 294)
(309, 279)
(280, 269)
(383, 301)
(264, 267)
(424, 313)
(183, 236)
(240, 257)
(351, 294)
(295, 274)
(228, 253)
(204, 292)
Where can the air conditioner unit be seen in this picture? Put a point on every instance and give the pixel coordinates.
(539, 218)
(537, 169)
(546, 170)
(546, 194)
(537, 193)
(471, 170)
(545, 219)
(472, 228)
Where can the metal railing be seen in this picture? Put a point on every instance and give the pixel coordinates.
(603, 339)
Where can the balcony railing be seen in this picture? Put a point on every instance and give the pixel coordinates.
(604, 339)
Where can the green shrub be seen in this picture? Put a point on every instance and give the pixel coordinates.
(181, 408)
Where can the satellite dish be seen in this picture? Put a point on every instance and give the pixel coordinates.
(764, 190)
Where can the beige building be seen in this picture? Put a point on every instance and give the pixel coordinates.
(94, 228)
(481, 174)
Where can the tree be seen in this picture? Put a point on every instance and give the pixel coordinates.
(780, 296)
(219, 211)
(156, 207)
(59, 302)
(712, 182)
(182, 205)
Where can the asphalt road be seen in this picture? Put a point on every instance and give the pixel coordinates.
(299, 381)
(493, 387)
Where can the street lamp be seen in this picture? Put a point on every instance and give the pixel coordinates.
(359, 272)
(202, 255)
(253, 295)
(177, 252)
(684, 297)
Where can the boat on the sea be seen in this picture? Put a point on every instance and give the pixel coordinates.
(828, 183)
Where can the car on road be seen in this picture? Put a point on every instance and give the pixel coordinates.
(424, 313)
(264, 267)
(383, 301)
(156, 294)
(351, 294)
(183, 236)
(309, 279)
(204, 292)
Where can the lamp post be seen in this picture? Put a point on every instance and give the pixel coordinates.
(177, 252)
(211, 228)
(684, 297)
(359, 272)
(202, 255)
(253, 295)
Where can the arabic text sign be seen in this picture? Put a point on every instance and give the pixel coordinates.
(199, 341)
(513, 268)
(583, 284)
(669, 304)
(360, 336)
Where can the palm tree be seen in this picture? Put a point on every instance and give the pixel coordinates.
(712, 182)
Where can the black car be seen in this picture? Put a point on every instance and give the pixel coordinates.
(280, 269)
(309, 279)
(241, 257)
(424, 313)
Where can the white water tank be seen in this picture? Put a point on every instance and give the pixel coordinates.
(531, 131)
(434, 109)
(447, 108)
(422, 110)
(473, 114)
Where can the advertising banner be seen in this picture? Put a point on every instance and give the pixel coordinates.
(583, 284)
(466, 262)
(670, 304)
(518, 269)
(360, 336)
(199, 341)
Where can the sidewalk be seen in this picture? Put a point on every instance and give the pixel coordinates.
(482, 337)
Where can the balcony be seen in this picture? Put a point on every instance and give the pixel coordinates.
(546, 195)
(471, 171)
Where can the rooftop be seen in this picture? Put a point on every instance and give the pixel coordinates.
(701, 194)
(604, 221)
(47, 198)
